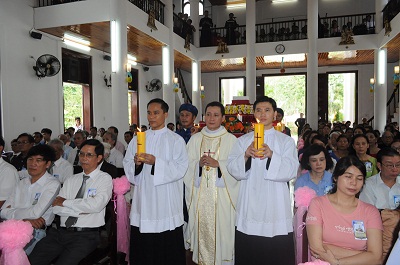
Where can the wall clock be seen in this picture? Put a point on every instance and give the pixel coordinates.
(279, 48)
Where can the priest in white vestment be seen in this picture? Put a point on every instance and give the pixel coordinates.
(264, 219)
(211, 192)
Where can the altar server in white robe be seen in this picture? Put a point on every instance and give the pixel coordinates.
(264, 232)
(211, 192)
(156, 215)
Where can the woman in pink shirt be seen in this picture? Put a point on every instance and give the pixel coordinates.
(342, 229)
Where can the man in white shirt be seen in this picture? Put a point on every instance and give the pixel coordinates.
(156, 214)
(115, 158)
(67, 149)
(73, 156)
(32, 198)
(81, 207)
(118, 145)
(8, 177)
(264, 216)
(383, 189)
(61, 169)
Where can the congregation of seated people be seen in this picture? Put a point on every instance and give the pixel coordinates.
(354, 171)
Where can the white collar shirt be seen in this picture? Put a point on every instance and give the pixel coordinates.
(62, 170)
(90, 210)
(32, 201)
(8, 179)
(377, 193)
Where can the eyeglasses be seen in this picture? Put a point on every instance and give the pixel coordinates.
(23, 142)
(88, 155)
(391, 166)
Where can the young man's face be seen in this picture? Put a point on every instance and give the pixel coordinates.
(24, 144)
(127, 138)
(265, 114)
(156, 116)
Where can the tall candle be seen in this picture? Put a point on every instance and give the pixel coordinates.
(141, 142)
(258, 136)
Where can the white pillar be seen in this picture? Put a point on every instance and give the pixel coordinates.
(194, 16)
(168, 63)
(196, 73)
(379, 5)
(251, 55)
(119, 47)
(380, 92)
(312, 64)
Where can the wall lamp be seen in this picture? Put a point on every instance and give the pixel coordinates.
(372, 84)
(396, 76)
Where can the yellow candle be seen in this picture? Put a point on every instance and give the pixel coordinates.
(258, 135)
(141, 142)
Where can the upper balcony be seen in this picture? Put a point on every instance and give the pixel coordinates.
(291, 30)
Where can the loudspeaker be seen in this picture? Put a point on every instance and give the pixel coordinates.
(107, 57)
(145, 68)
(36, 35)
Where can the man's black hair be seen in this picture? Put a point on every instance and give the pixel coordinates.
(216, 104)
(164, 105)
(30, 137)
(265, 99)
(44, 150)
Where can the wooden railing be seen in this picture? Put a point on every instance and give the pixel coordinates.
(391, 10)
(55, 2)
(391, 105)
(361, 24)
(147, 5)
(185, 94)
(281, 30)
(220, 34)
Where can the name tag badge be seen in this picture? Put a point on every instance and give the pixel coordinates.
(359, 230)
(91, 192)
(36, 199)
(396, 199)
(327, 189)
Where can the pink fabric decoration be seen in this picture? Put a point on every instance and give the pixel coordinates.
(303, 196)
(302, 199)
(122, 186)
(300, 144)
(14, 235)
(315, 262)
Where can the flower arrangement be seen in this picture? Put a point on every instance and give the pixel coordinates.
(234, 125)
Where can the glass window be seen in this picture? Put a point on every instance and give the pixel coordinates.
(231, 87)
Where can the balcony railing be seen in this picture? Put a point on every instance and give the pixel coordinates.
(147, 5)
(282, 30)
(361, 24)
(391, 10)
(55, 2)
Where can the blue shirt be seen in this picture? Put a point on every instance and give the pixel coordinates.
(323, 187)
(185, 133)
